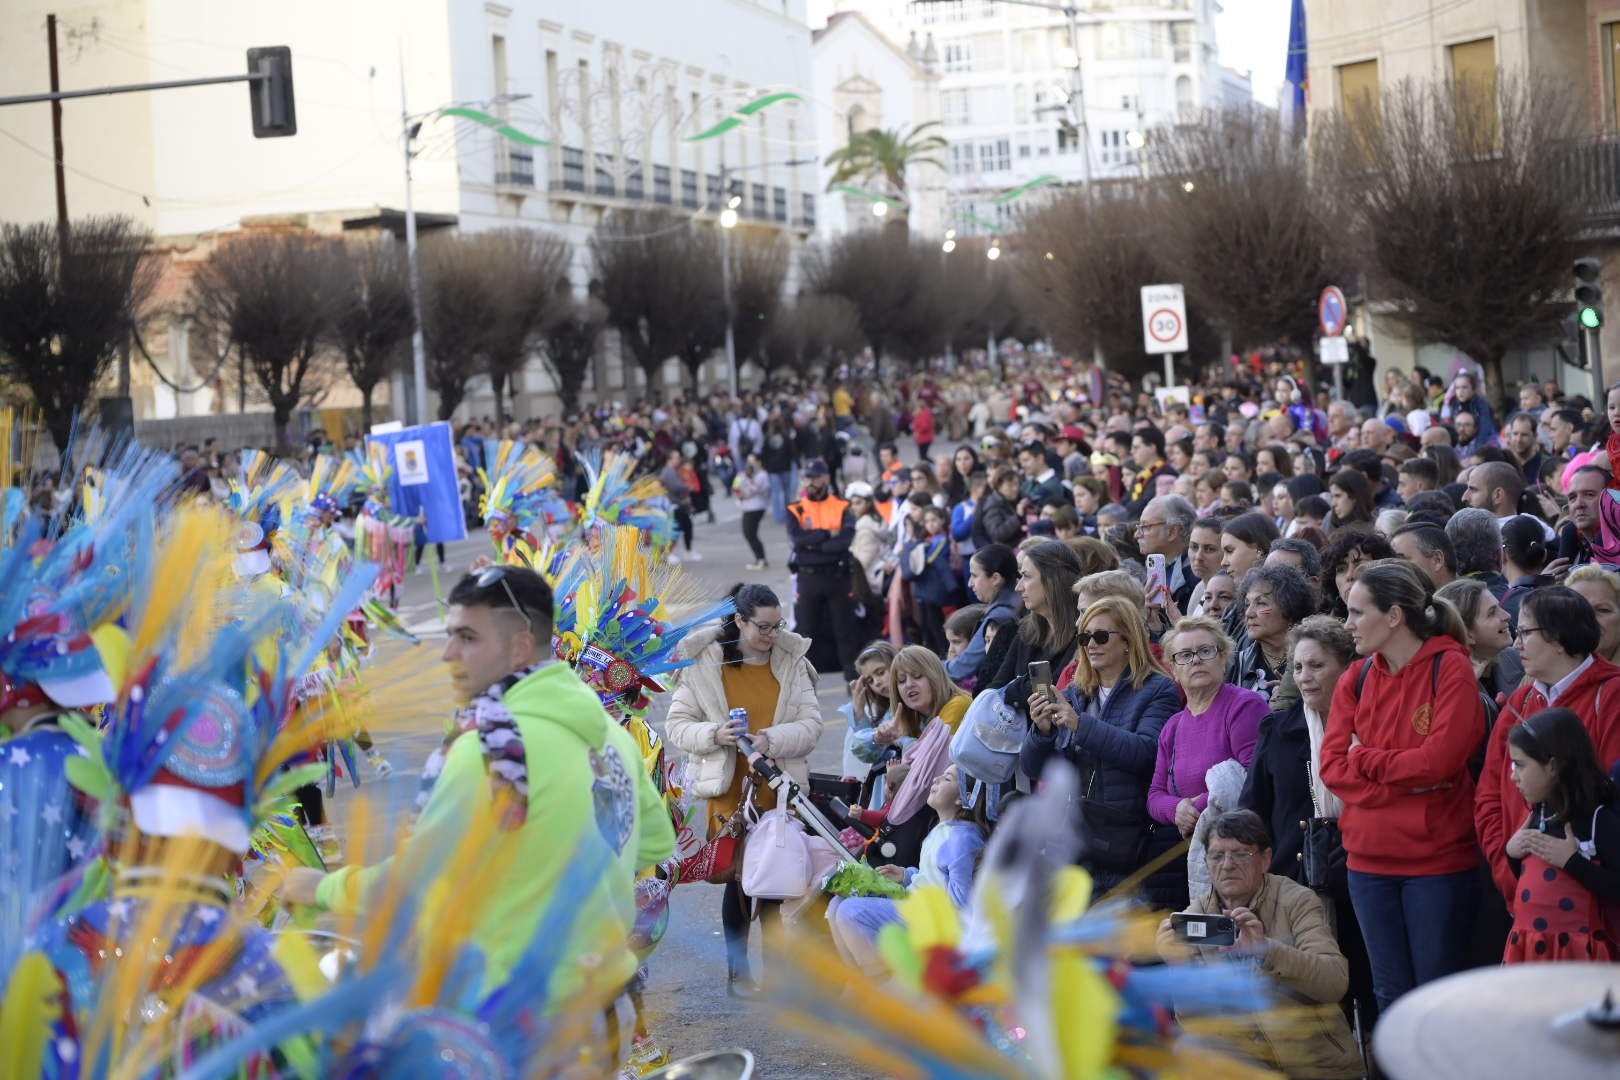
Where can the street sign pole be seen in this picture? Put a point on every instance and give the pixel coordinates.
(1333, 317)
(1164, 325)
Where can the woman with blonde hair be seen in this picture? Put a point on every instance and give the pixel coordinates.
(1106, 724)
(1601, 587)
(927, 708)
(1095, 555)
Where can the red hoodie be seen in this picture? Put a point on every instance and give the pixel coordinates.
(1499, 809)
(1407, 793)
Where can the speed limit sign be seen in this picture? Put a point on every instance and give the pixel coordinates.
(1164, 319)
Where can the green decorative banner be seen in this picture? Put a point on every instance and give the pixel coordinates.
(736, 118)
(1021, 189)
(979, 221)
(851, 189)
(495, 124)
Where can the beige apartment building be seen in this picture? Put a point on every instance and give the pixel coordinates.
(1359, 48)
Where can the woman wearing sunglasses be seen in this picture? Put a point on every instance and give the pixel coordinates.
(1106, 724)
(751, 662)
(1221, 722)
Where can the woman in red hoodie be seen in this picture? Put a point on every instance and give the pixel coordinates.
(1559, 634)
(1403, 725)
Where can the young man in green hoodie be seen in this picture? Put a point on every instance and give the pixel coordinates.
(534, 742)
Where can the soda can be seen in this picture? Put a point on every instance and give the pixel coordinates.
(738, 718)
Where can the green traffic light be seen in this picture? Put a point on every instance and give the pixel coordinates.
(1591, 318)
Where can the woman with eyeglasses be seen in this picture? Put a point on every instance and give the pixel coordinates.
(750, 662)
(1559, 637)
(1220, 722)
(1106, 724)
(1403, 725)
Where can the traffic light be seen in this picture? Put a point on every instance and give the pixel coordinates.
(1569, 346)
(1589, 293)
(272, 95)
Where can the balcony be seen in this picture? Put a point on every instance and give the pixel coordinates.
(689, 189)
(514, 167)
(1594, 166)
(662, 194)
(571, 176)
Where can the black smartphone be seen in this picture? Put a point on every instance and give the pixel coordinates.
(1040, 678)
(1196, 929)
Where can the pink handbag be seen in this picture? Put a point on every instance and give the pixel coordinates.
(776, 859)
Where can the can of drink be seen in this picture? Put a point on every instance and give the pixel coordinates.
(739, 719)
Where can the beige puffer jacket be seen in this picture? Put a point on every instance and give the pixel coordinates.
(698, 709)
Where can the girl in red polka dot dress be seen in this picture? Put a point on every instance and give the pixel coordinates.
(1568, 849)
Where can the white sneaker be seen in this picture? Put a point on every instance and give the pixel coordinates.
(694, 556)
(754, 566)
(672, 559)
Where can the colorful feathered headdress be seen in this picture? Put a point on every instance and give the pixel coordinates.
(260, 494)
(331, 481)
(617, 496)
(622, 617)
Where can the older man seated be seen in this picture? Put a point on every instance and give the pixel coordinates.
(1282, 927)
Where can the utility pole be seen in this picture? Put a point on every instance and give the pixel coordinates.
(56, 136)
(418, 340)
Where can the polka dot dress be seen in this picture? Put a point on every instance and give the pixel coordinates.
(1555, 918)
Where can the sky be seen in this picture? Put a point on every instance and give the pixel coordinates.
(1252, 35)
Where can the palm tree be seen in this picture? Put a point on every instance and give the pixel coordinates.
(880, 155)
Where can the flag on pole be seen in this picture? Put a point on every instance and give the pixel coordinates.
(424, 479)
(1296, 73)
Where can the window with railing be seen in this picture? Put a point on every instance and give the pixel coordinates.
(514, 167)
(779, 202)
(605, 183)
(714, 191)
(573, 169)
(635, 183)
(807, 210)
(689, 188)
(662, 193)
(757, 203)
(959, 57)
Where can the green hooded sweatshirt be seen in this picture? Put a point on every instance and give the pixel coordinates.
(587, 786)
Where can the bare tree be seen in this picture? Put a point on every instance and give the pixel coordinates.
(273, 298)
(660, 278)
(522, 267)
(759, 265)
(1464, 205)
(68, 304)
(1240, 221)
(568, 341)
(374, 318)
(1081, 273)
(894, 283)
(460, 305)
(816, 330)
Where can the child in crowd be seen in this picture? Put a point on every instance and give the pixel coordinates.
(1569, 846)
(959, 628)
(927, 565)
(950, 853)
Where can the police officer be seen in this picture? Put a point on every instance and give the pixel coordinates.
(820, 530)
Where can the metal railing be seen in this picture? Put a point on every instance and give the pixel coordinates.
(572, 173)
(514, 167)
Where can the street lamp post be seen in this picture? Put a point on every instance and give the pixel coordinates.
(728, 221)
(409, 127)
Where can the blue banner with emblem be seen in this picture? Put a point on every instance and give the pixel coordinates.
(424, 479)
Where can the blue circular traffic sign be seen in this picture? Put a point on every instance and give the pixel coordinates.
(1332, 313)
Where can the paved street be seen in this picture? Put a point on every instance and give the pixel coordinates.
(690, 1009)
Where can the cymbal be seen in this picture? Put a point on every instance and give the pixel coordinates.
(1519, 1020)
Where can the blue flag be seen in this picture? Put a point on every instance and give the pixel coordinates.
(425, 479)
(1297, 74)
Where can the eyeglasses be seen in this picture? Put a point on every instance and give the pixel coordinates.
(1101, 637)
(1238, 858)
(489, 576)
(1201, 655)
(1526, 631)
(1144, 526)
(768, 627)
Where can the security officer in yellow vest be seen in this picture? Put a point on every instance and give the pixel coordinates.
(820, 529)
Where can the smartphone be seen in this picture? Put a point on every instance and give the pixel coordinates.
(1197, 929)
(1040, 678)
(1157, 582)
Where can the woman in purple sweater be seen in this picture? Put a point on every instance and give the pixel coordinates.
(1220, 721)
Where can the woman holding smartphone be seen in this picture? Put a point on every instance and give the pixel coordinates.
(753, 664)
(1047, 572)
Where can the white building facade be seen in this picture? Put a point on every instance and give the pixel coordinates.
(619, 88)
(867, 81)
(1006, 78)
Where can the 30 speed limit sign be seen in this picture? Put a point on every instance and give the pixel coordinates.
(1164, 319)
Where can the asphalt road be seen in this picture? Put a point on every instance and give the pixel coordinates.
(688, 1006)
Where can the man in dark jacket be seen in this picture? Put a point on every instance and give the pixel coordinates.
(820, 530)
(996, 521)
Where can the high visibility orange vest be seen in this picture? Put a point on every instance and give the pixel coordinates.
(826, 514)
(886, 509)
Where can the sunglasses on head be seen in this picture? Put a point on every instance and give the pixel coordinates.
(1101, 637)
(489, 576)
